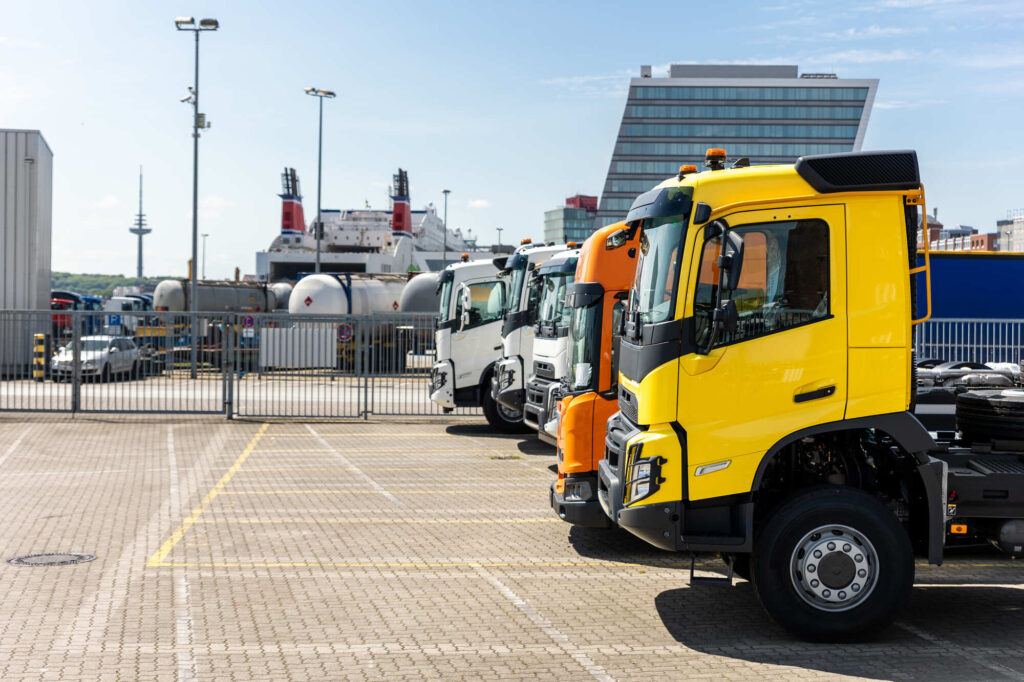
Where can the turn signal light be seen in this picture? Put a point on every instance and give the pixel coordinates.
(560, 486)
(714, 153)
(958, 529)
(465, 258)
(571, 245)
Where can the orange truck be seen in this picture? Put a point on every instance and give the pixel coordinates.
(597, 299)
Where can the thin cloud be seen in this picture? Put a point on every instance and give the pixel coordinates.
(108, 201)
(479, 203)
(872, 32)
(863, 57)
(907, 103)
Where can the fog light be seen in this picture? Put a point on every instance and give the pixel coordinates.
(578, 490)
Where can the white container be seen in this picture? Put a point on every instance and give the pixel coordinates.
(326, 295)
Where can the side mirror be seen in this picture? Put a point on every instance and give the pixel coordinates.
(111, 349)
(730, 262)
(467, 303)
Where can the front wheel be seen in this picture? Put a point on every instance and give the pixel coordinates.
(833, 564)
(500, 417)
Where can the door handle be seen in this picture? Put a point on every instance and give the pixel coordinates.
(814, 395)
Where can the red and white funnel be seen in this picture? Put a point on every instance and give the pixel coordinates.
(293, 222)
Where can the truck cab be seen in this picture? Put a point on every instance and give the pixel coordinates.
(587, 395)
(468, 337)
(546, 366)
(517, 331)
(766, 391)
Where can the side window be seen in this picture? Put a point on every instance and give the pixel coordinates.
(784, 282)
(488, 300)
(617, 311)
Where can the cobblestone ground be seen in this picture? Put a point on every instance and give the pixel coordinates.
(244, 550)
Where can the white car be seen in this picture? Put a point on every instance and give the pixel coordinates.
(102, 357)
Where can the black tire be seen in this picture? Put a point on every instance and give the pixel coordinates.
(740, 564)
(497, 416)
(105, 375)
(872, 539)
(983, 416)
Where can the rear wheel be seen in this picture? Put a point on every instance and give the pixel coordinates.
(983, 416)
(500, 417)
(833, 564)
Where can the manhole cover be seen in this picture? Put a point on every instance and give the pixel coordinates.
(60, 559)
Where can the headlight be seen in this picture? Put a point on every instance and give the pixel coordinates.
(643, 476)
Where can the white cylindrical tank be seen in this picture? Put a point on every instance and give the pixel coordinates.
(173, 295)
(283, 291)
(325, 295)
(420, 294)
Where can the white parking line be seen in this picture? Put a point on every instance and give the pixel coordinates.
(14, 446)
(183, 624)
(546, 627)
(356, 470)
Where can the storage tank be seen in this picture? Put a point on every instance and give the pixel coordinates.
(283, 291)
(329, 295)
(421, 295)
(214, 296)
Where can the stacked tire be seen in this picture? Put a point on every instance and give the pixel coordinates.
(985, 416)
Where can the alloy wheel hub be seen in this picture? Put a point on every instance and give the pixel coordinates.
(834, 568)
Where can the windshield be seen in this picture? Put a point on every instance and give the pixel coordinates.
(583, 361)
(95, 344)
(552, 300)
(657, 271)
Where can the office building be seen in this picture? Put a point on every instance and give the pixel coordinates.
(769, 114)
(573, 222)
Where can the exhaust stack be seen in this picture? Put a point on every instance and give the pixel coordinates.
(293, 222)
(401, 211)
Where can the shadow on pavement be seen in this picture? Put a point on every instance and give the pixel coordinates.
(615, 544)
(951, 632)
(478, 430)
(530, 445)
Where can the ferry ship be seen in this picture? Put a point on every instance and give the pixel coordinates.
(367, 240)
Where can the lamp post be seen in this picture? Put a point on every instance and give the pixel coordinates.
(499, 234)
(198, 122)
(444, 254)
(321, 94)
(205, 235)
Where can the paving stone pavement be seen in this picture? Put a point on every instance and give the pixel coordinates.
(395, 550)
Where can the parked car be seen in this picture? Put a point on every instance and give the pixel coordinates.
(102, 357)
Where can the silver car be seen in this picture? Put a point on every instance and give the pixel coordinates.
(102, 357)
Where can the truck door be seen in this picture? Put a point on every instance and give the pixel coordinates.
(784, 367)
(476, 341)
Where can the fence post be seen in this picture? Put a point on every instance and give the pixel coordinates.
(228, 365)
(76, 363)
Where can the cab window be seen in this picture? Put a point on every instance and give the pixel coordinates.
(488, 300)
(784, 282)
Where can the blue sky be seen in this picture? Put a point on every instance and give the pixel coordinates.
(512, 106)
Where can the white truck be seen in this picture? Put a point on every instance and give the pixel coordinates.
(523, 297)
(468, 339)
(550, 344)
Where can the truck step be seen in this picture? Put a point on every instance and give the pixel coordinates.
(703, 580)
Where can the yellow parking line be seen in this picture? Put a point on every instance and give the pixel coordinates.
(217, 489)
(370, 451)
(396, 522)
(380, 492)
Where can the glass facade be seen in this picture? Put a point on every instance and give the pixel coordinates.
(668, 122)
(568, 225)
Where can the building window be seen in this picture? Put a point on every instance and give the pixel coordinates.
(739, 111)
(735, 130)
(753, 93)
(784, 282)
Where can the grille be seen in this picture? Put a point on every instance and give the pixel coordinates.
(629, 404)
(544, 369)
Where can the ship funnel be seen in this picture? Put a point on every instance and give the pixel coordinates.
(401, 212)
(293, 222)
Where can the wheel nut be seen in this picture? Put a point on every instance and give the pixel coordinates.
(861, 573)
(859, 557)
(846, 548)
(826, 593)
(842, 595)
(831, 546)
(814, 583)
(817, 554)
(855, 587)
(810, 568)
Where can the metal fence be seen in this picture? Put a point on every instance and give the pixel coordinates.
(251, 365)
(970, 340)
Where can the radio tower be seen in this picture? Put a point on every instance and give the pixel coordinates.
(140, 225)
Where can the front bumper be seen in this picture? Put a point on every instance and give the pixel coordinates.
(507, 384)
(442, 384)
(579, 512)
(609, 484)
(536, 410)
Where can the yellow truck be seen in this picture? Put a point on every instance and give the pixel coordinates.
(766, 389)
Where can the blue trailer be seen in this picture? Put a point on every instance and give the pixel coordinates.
(980, 285)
